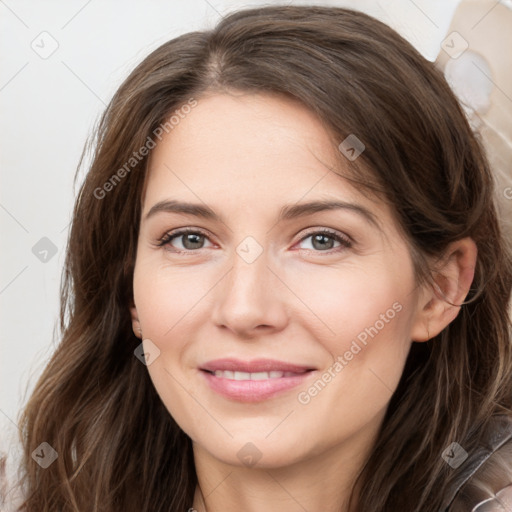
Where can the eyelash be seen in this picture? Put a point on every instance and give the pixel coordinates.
(345, 241)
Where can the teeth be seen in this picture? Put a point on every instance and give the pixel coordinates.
(226, 374)
(259, 376)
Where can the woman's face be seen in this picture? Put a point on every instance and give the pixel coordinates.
(257, 286)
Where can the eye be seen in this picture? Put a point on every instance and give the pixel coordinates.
(322, 241)
(191, 239)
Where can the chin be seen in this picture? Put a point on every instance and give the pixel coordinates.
(259, 454)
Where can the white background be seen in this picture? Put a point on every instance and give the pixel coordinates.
(48, 109)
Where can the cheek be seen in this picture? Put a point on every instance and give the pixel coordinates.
(168, 301)
(352, 302)
(357, 384)
(363, 321)
(166, 297)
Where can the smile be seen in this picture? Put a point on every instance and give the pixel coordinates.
(227, 374)
(254, 381)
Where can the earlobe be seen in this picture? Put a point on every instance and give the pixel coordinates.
(442, 300)
(135, 321)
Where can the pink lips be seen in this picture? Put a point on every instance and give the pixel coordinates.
(253, 390)
(257, 365)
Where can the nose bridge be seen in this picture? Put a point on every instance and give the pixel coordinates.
(248, 297)
(250, 265)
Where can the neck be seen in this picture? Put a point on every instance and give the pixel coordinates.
(322, 482)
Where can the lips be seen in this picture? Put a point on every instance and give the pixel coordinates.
(253, 381)
(255, 366)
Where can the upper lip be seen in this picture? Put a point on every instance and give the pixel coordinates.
(256, 365)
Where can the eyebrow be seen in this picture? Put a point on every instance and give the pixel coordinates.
(287, 212)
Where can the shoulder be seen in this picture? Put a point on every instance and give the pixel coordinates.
(483, 482)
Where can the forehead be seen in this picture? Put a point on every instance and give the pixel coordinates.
(239, 132)
(258, 148)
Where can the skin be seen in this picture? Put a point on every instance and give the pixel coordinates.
(246, 156)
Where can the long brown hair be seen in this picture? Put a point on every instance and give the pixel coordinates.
(118, 447)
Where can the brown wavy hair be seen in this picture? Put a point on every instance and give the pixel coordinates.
(119, 448)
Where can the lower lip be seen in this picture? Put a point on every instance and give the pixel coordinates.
(253, 390)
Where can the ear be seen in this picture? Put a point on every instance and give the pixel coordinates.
(135, 320)
(440, 304)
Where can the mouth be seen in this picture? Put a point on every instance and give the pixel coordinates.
(237, 375)
(253, 381)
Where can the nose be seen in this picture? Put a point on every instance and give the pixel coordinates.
(251, 299)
